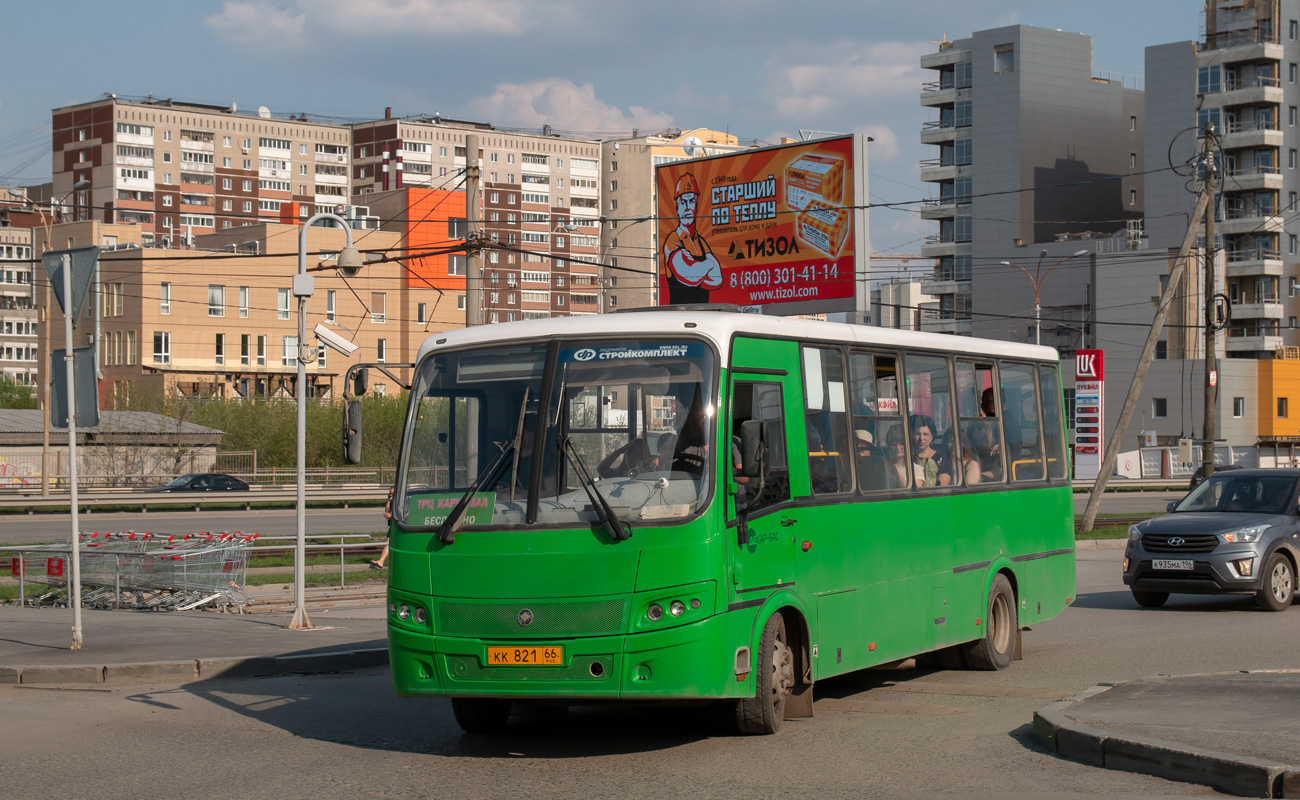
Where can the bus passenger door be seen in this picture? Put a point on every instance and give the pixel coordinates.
(766, 560)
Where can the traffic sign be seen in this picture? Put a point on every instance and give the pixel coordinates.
(83, 272)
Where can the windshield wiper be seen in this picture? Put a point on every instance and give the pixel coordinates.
(617, 530)
(446, 532)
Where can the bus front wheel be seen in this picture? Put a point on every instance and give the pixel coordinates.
(481, 714)
(774, 679)
(995, 649)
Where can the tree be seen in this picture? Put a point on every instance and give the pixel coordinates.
(13, 395)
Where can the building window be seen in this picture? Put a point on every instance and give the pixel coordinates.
(261, 350)
(460, 302)
(1162, 349)
(1281, 408)
(1293, 287)
(1291, 115)
(1132, 160)
(162, 347)
(130, 347)
(244, 342)
(1004, 58)
(289, 351)
(1132, 197)
(164, 298)
(961, 114)
(378, 307)
(282, 303)
(381, 350)
(216, 300)
(1238, 407)
(1132, 123)
(330, 313)
(1159, 407)
(1209, 79)
(243, 301)
(219, 353)
(420, 313)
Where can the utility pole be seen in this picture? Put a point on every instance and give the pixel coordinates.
(1211, 388)
(473, 262)
(1148, 354)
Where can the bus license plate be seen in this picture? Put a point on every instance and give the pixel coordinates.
(525, 656)
(1165, 563)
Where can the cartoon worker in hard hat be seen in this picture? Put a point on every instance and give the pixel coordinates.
(691, 268)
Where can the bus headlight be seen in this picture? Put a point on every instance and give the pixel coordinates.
(677, 608)
(655, 612)
(420, 616)
(403, 611)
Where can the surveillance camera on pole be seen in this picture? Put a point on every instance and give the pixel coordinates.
(333, 341)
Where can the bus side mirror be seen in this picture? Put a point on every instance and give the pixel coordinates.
(352, 432)
(360, 379)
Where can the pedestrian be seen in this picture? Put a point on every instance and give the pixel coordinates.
(380, 562)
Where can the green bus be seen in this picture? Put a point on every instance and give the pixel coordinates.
(671, 505)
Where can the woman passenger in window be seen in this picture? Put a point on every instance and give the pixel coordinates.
(896, 456)
(932, 468)
(970, 465)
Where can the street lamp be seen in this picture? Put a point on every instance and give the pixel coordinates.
(1037, 277)
(604, 251)
(349, 262)
(45, 327)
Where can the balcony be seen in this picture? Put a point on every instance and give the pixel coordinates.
(938, 245)
(938, 132)
(1250, 218)
(946, 57)
(1252, 339)
(1257, 91)
(939, 208)
(934, 93)
(1252, 133)
(1253, 262)
(932, 169)
(1249, 46)
(1268, 309)
(1253, 179)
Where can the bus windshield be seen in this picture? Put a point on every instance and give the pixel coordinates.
(635, 415)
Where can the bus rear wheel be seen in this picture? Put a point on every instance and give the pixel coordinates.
(995, 650)
(774, 679)
(481, 714)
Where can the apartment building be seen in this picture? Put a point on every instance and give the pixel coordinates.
(539, 206)
(220, 319)
(179, 169)
(901, 303)
(19, 320)
(1036, 152)
(629, 252)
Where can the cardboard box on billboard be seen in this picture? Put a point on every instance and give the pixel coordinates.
(823, 227)
(815, 177)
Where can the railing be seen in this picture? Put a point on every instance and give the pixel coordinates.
(1262, 33)
(1247, 125)
(1245, 172)
(1251, 254)
(938, 124)
(1237, 332)
(1233, 83)
(938, 86)
(263, 478)
(1249, 211)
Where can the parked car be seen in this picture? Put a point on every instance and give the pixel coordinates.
(1236, 533)
(1197, 476)
(204, 482)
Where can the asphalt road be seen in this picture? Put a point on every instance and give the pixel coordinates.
(875, 734)
(40, 528)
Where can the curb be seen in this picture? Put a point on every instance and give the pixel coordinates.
(199, 669)
(1239, 775)
(1100, 544)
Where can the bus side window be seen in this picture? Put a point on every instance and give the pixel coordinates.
(879, 441)
(826, 421)
(935, 452)
(763, 402)
(981, 436)
(1053, 430)
(1020, 421)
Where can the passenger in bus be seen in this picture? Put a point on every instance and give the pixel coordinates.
(738, 474)
(898, 470)
(988, 451)
(692, 449)
(663, 458)
(872, 473)
(971, 471)
(625, 461)
(987, 407)
(931, 467)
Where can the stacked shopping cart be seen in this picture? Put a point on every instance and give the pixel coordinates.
(133, 569)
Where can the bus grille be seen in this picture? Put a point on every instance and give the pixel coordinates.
(467, 668)
(501, 620)
(1191, 543)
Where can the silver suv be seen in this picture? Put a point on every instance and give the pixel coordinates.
(1236, 533)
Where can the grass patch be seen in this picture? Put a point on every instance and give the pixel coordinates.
(9, 591)
(1104, 532)
(316, 578)
(316, 560)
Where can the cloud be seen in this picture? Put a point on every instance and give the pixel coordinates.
(562, 104)
(811, 83)
(438, 17)
(257, 23)
(885, 146)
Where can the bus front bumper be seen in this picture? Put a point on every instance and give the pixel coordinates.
(690, 661)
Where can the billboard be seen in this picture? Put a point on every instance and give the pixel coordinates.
(780, 228)
(1089, 412)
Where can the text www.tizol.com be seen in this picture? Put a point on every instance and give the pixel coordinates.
(784, 293)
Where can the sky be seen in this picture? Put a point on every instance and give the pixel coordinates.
(595, 68)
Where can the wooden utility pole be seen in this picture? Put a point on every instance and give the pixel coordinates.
(1148, 353)
(1211, 365)
(473, 257)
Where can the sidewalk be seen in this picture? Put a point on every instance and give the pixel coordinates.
(134, 646)
(1236, 731)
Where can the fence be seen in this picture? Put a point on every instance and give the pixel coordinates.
(274, 476)
(1163, 462)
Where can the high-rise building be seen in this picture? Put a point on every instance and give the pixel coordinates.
(19, 320)
(629, 256)
(1036, 151)
(178, 169)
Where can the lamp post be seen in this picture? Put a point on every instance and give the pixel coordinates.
(1037, 277)
(45, 330)
(349, 261)
(604, 252)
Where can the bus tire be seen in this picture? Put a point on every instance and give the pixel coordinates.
(481, 714)
(773, 679)
(995, 649)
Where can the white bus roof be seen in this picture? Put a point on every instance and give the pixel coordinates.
(720, 326)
